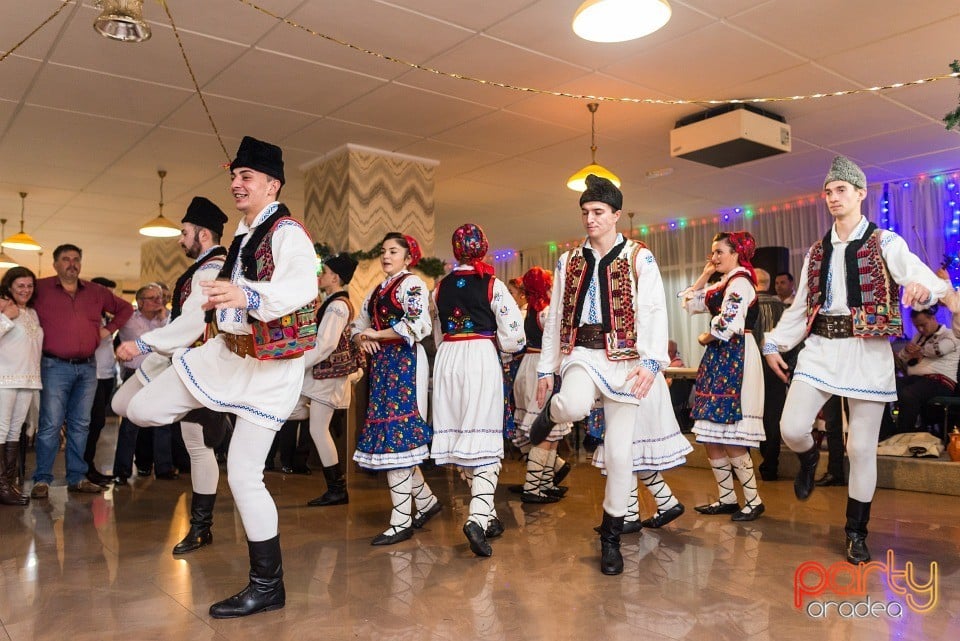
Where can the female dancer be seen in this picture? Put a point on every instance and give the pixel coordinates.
(728, 403)
(476, 316)
(391, 323)
(539, 483)
(20, 340)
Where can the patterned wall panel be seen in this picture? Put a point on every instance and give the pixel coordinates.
(162, 260)
(354, 195)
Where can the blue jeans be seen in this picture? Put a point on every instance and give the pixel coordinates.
(67, 394)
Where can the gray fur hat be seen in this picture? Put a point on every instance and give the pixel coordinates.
(844, 169)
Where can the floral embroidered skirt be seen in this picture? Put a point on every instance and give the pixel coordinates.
(394, 435)
(728, 401)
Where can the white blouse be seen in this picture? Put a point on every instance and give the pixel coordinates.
(21, 339)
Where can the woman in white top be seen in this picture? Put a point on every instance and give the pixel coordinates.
(728, 402)
(20, 341)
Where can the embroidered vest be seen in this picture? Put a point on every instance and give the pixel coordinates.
(617, 281)
(533, 329)
(872, 295)
(463, 303)
(384, 307)
(184, 286)
(345, 358)
(291, 334)
(714, 302)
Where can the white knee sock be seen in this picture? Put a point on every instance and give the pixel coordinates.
(401, 485)
(659, 489)
(422, 496)
(633, 506)
(482, 487)
(743, 468)
(534, 482)
(724, 476)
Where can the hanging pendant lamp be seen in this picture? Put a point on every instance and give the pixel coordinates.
(5, 261)
(122, 20)
(160, 227)
(23, 240)
(578, 181)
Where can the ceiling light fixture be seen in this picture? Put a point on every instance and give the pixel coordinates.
(619, 20)
(5, 261)
(23, 240)
(160, 227)
(122, 20)
(578, 181)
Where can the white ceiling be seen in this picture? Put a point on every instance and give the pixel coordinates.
(86, 122)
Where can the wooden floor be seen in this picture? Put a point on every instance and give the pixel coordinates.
(80, 567)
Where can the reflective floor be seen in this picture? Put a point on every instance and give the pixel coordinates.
(84, 567)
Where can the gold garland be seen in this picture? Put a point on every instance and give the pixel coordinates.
(576, 96)
(63, 5)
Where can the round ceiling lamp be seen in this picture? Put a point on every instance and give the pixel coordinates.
(619, 20)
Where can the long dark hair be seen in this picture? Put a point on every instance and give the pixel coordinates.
(13, 274)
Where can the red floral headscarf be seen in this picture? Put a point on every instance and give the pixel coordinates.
(415, 253)
(537, 283)
(745, 245)
(470, 246)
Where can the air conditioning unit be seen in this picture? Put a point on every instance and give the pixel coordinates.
(730, 135)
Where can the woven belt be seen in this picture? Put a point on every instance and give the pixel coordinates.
(591, 337)
(832, 326)
(242, 345)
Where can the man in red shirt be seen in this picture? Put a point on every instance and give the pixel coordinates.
(70, 312)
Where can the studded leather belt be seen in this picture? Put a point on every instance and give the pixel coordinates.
(590, 336)
(832, 326)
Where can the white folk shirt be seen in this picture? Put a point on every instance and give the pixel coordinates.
(262, 392)
(650, 313)
(860, 368)
(184, 330)
(940, 355)
(20, 341)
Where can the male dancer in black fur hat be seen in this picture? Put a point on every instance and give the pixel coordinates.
(263, 306)
(200, 240)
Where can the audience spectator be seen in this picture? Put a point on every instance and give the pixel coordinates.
(150, 315)
(70, 311)
(930, 360)
(21, 339)
(769, 310)
(106, 382)
(785, 288)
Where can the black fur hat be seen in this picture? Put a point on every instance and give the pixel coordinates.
(603, 191)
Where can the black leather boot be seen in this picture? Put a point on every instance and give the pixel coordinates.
(804, 483)
(9, 479)
(336, 493)
(858, 514)
(265, 590)
(201, 520)
(214, 424)
(542, 425)
(611, 561)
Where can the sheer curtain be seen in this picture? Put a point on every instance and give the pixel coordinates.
(924, 210)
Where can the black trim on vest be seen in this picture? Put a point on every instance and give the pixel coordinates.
(854, 293)
(187, 275)
(329, 299)
(248, 258)
(604, 283)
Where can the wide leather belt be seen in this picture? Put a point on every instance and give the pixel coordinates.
(242, 345)
(832, 326)
(590, 336)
